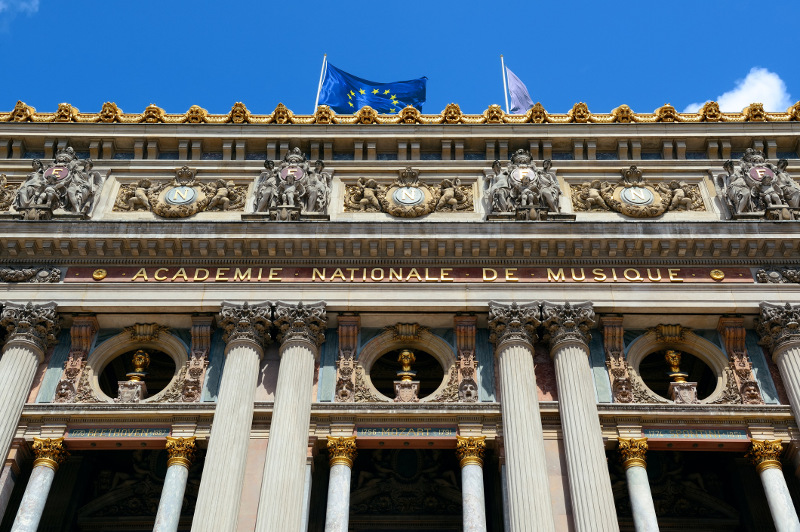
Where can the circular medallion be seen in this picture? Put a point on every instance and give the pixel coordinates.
(717, 275)
(292, 171)
(58, 171)
(637, 196)
(519, 174)
(99, 274)
(408, 196)
(180, 195)
(757, 173)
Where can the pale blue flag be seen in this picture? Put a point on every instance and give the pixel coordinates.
(520, 99)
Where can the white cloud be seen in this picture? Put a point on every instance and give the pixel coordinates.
(760, 85)
(28, 7)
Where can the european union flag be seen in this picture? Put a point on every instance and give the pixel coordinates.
(346, 93)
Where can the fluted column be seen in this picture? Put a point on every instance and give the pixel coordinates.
(513, 332)
(765, 455)
(567, 330)
(246, 333)
(342, 453)
(49, 454)
(31, 330)
(779, 327)
(633, 451)
(301, 330)
(469, 452)
(181, 454)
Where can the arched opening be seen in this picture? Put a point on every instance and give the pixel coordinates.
(655, 371)
(429, 372)
(159, 373)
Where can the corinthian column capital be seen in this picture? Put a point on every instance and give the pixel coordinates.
(301, 322)
(342, 450)
(29, 323)
(633, 452)
(779, 326)
(469, 450)
(245, 323)
(765, 454)
(513, 323)
(181, 451)
(569, 322)
(49, 452)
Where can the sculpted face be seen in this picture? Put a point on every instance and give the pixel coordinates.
(109, 112)
(153, 114)
(409, 115)
(196, 115)
(324, 115)
(238, 113)
(711, 112)
(452, 113)
(580, 112)
(623, 114)
(494, 114)
(538, 114)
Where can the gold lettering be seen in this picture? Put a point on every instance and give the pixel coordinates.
(338, 273)
(274, 274)
(614, 273)
(352, 273)
(599, 275)
(180, 273)
(197, 274)
(318, 273)
(259, 273)
(240, 275)
(428, 277)
(489, 274)
(556, 276)
(182, 192)
(673, 275)
(363, 274)
(142, 273)
(414, 273)
(396, 274)
(221, 272)
(650, 275)
(636, 277)
(374, 276)
(445, 273)
(510, 273)
(575, 277)
(157, 274)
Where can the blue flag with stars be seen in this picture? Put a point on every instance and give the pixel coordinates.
(346, 93)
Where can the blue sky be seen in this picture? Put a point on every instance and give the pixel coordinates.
(176, 54)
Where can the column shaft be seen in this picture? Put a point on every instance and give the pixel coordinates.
(788, 363)
(644, 512)
(17, 369)
(32, 505)
(171, 502)
(780, 502)
(589, 481)
(284, 468)
(529, 507)
(337, 514)
(223, 473)
(472, 498)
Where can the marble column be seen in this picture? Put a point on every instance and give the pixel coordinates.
(342, 453)
(780, 334)
(246, 333)
(469, 452)
(301, 330)
(513, 332)
(32, 329)
(765, 455)
(567, 331)
(181, 454)
(49, 454)
(633, 451)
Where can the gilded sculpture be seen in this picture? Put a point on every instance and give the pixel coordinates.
(239, 114)
(755, 188)
(66, 186)
(634, 196)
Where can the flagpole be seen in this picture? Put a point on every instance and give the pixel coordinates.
(505, 87)
(321, 75)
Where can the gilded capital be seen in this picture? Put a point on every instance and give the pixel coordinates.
(469, 450)
(765, 454)
(246, 322)
(778, 325)
(633, 451)
(569, 322)
(37, 324)
(181, 451)
(342, 450)
(301, 322)
(513, 323)
(49, 452)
